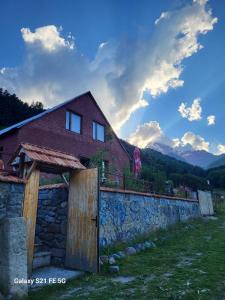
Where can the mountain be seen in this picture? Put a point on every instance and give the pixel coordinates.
(166, 150)
(159, 168)
(199, 158)
(219, 162)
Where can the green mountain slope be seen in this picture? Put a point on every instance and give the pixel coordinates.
(218, 163)
(157, 167)
(14, 110)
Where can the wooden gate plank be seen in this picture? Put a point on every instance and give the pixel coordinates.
(82, 230)
(30, 213)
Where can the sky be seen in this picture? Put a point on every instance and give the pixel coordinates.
(155, 67)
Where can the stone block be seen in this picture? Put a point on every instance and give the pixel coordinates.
(41, 259)
(13, 256)
(63, 204)
(104, 259)
(63, 211)
(58, 252)
(17, 188)
(54, 228)
(130, 251)
(49, 219)
(114, 269)
(112, 260)
(51, 213)
(63, 227)
(47, 202)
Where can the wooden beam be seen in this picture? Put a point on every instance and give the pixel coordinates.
(33, 166)
(64, 179)
(30, 213)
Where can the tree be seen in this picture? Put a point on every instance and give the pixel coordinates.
(14, 110)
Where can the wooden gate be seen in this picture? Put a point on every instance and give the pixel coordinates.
(82, 250)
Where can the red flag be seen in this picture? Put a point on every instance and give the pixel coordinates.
(137, 161)
(2, 165)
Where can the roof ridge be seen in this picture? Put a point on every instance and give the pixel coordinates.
(28, 120)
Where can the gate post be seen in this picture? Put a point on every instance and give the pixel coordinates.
(30, 213)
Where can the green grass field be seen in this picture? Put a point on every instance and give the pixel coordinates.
(188, 263)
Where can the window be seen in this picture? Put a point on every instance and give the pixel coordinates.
(98, 132)
(1, 151)
(73, 122)
(85, 161)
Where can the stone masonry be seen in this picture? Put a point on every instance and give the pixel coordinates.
(123, 216)
(11, 199)
(52, 223)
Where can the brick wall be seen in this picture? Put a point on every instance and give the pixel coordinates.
(49, 131)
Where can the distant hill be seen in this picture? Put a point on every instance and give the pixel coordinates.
(217, 177)
(14, 110)
(219, 162)
(199, 158)
(158, 167)
(166, 150)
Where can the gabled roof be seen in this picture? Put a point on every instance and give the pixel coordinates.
(21, 124)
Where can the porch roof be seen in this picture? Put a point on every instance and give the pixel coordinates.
(46, 158)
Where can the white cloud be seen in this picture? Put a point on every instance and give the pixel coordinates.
(196, 141)
(164, 15)
(48, 37)
(211, 120)
(149, 133)
(193, 112)
(220, 149)
(53, 69)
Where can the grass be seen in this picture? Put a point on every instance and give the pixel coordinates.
(188, 263)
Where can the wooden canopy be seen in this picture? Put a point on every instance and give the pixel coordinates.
(45, 159)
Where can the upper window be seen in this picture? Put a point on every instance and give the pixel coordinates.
(73, 122)
(98, 132)
(1, 151)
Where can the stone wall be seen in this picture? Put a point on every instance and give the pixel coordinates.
(125, 215)
(122, 217)
(11, 199)
(52, 223)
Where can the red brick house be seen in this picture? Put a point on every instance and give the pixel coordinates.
(77, 127)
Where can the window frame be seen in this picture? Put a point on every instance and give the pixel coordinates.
(1, 152)
(95, 124)
(70, 113)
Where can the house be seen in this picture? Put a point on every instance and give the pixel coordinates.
(77, 127)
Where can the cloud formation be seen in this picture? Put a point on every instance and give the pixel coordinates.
(48, 37)
(192, 113)
(221, 149)
(122, 70)
(196, 141)
(151, 133)
(147, 134)
(211, 120)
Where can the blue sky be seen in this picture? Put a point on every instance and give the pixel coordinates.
(140, 61)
